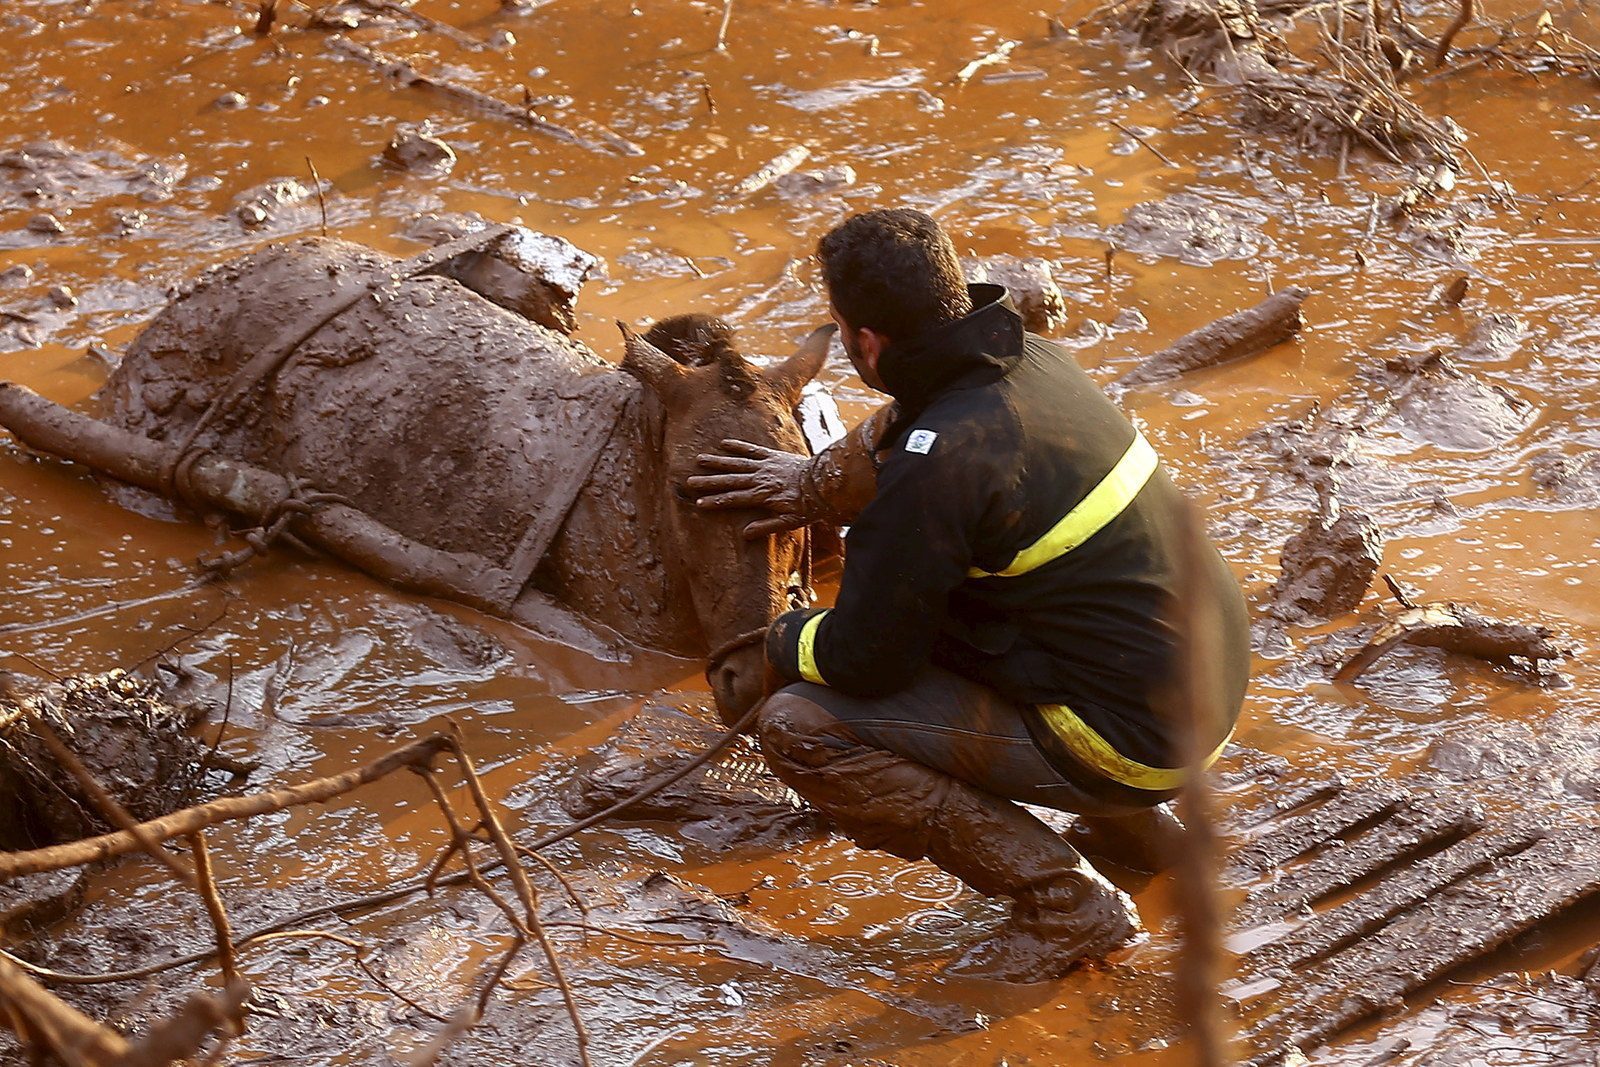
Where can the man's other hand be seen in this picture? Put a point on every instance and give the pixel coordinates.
(754, 476)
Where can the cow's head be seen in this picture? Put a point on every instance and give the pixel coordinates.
(707, 392)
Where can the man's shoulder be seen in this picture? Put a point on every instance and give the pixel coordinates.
(972, 423)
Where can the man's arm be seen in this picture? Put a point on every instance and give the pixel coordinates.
(831, 487)
(909, 548)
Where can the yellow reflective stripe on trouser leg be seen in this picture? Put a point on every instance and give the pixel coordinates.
(1105, 502)
(1096, 752)
(807, 652)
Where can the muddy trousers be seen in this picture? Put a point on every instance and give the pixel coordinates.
(892, 776)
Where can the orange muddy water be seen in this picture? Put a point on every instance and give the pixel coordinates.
(329, 668)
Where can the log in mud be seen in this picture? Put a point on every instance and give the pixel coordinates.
(257, 495)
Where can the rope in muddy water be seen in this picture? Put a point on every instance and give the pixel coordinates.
(386, 896)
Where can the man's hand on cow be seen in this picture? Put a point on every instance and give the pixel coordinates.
(754, 476)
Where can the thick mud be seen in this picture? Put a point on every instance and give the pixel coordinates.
(149, 140)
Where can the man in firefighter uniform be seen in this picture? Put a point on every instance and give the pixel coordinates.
(1008, 625)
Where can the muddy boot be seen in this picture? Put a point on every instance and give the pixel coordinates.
(1148, 841)
(1065, 913)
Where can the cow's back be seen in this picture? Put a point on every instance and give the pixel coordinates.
(439, 413)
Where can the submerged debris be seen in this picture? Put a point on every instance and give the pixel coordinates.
(1189, 229)
(131, 739)
(1327, 567)
(1457, 628)
(823, 180)
(263, 203)
(1356, 102)
(414, 148)
(1032, 286)
(1244, 333)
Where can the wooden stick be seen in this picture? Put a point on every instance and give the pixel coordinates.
(190, 820)
(316, 183)
(40, 1017)
(772, 171)
(526, 892)
(1201, 908)
(1244, 333)
(406, 74)
(1454, 28)
(1158, 153)
(212, 896)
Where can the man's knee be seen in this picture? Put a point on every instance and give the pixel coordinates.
(794, 729)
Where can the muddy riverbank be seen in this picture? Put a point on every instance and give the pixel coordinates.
(148, 140)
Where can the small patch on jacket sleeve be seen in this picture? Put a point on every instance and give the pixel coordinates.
(921, 441)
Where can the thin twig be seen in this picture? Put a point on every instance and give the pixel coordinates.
(227, 713)
(190, 633)
(212, 896)
(360, 952)
(1144, 143)
(322, 205)
(526, 892)
(1454, 28)
(722, 30)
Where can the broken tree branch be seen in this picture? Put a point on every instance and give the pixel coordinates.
(1456, 628)
(53, 1025)
(526, 893)
(405, 889)
(212, 896)
(1145, 144)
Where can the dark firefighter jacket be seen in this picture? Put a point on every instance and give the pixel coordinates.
(1024, 535)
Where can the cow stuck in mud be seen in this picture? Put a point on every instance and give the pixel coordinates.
(433, 423)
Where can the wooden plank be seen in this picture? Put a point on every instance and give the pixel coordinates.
(1280, 842)
(1402, 834)
(1464, 921)
(1241, 820)
(1337, 927)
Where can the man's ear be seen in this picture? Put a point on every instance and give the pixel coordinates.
(871, 343)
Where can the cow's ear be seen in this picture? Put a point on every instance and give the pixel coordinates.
(650, 365)
(791, 376)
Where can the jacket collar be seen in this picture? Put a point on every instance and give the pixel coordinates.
(980, 348)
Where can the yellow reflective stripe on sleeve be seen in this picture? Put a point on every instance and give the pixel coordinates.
(1096, 752)
(1105, 502)
(807, 651)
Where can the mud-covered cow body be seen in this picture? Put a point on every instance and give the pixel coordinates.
(475, 431)
(437, 412)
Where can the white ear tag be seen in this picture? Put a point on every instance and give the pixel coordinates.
(819, 417)
(921, 441)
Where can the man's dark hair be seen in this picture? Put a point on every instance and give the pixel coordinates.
(894, 271)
